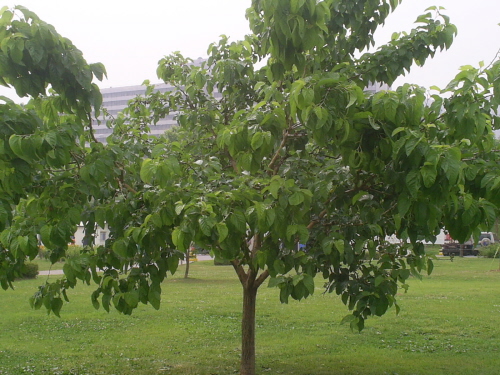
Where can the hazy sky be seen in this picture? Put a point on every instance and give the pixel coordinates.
(129, 37)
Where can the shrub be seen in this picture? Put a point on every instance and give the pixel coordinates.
(73, 251)
(490, 251)
(30, 271)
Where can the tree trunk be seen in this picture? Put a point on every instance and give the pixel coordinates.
(186, 273)
(248, 330)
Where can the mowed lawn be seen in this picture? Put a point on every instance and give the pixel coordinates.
(449, 324)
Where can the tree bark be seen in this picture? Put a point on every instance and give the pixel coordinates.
(186, 272)
(248, 329)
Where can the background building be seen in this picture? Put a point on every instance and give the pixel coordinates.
(115, 99)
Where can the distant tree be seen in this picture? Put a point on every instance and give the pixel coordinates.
(265, 160)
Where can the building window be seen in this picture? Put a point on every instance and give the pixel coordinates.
(103, 236)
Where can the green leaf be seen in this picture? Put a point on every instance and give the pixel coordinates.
(275, 281)
(74, 215)
(339, 245)
(358, 196)
(16, 49)
(451, 164)
(295, 5)
(261, 259)
(430, 266)
(358, 324)
(98, 70)
(206, 224)
(106, 301)
(260, 209)
(200, 80)
(154, 295)
(303, 233)
(397, 131)
(308, 282)
(173, 263)
(56, 305)
(279, 266)
(379, 280)
(15, 143)
(290, 231)
(296, 198)
(404, 204)
(157, 220)
(120, 248)
(94, 298)
(132, 298)
(148, 170)
(411, 144)
(23, 244)
(397, 220)
(327, 245)
(413, 183)
(222, 231)
(178, 239)
(257, 140)
(179, 206)
(51, 138)
(270, 217)
(429, 174)
(404, 274)
(69, 272)
(35, 50)
(390, 107)
(348, 319)
(274, 188)
(297, 279)
(238, 220)
(45, 235)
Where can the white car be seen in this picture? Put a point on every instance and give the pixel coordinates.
(487, 238)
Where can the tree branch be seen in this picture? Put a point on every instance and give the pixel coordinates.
(256, 245)
(262, 277)
(121, 180)
(91, 129)
(240, 272)
(316, 221)
(277, 153)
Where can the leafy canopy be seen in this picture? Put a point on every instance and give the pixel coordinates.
(297, 152)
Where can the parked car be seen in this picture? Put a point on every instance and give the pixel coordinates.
(487, 238)
(452, 247)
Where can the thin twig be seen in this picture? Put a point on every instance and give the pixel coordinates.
(91, 130)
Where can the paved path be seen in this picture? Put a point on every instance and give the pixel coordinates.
(60, 272)
(51, 272)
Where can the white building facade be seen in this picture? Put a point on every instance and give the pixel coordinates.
(116, 99)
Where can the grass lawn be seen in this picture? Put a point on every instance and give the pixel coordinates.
(46, 265)
(449, 324)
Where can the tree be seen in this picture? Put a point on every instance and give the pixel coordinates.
(265, 160)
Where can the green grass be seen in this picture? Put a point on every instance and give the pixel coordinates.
(432, 249)
(45, 265)
(448, 325)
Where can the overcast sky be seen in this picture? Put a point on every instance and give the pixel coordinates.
(129, 37)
